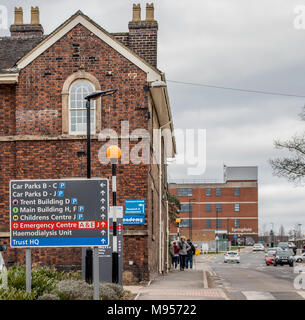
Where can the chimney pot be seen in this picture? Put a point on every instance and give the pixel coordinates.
(35, 15)
(150, 12)
(136, 12)
(21, 30)
(18, 16)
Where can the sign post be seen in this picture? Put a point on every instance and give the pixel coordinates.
(28, 269)
(59, 213)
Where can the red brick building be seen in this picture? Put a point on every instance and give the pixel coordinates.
(227, 209)
(43, 81)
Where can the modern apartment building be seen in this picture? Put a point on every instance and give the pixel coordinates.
(228, 209)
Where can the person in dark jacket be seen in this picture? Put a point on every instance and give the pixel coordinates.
(175, 257)
(183, 248)
(189, 256)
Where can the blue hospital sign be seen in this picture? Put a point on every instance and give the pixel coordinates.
(135, 207)
(133, 220)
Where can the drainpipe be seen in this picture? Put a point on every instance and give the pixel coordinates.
(167, 236)
(160, 195)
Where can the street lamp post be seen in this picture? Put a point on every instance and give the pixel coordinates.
(114, 153)
(93, 96)
(216, 238)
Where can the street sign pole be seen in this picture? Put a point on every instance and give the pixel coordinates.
(115, 256)
(96, 279)
(28, 269)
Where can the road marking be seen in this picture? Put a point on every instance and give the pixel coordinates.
(301, 293)
(258, 295)
(205, 280)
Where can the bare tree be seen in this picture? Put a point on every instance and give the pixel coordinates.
(293, 166)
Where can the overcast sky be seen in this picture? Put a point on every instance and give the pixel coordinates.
(236, 43)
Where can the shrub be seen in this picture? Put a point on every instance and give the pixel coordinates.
(74, 290)
(44, 279)
(16, 294)
(119, 291)
(107, 293)
(49, 296)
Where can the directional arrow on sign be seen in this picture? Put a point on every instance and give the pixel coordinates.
(103, 232)
(103, 240)
(103, 216)
(102, 185)
(102, 192)
(103, 200)
(103, 208)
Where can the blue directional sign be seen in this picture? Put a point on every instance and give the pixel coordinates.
(235, 236)
(135, 207)
(134, 220)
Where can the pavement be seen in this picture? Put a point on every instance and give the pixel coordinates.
(212, 279)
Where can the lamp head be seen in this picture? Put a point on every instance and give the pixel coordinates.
(96, 94)
(113, 153)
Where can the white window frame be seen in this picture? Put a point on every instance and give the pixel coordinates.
(92, 109)
(236, 205)
(80, 75)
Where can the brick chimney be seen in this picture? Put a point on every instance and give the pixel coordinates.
(21, 30)
(143, 34)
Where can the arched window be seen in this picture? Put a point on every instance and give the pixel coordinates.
(77, 107)
(74, 117)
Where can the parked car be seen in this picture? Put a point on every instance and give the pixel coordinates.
(231, 256)
(300, 258)
(258, 247)
(269, 258)
(270, 251)
(283, 245)
(283, 257)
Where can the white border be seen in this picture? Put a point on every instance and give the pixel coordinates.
(69, 179)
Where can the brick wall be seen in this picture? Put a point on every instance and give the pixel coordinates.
(34, 107)
(143, 40)
(247, 200)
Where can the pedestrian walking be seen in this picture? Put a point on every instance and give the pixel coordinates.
(175, 258)
(294, 250)
(189, 256)
(183, 248)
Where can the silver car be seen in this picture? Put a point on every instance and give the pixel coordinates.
(258, 247)
(231, 256)
(300, 257)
